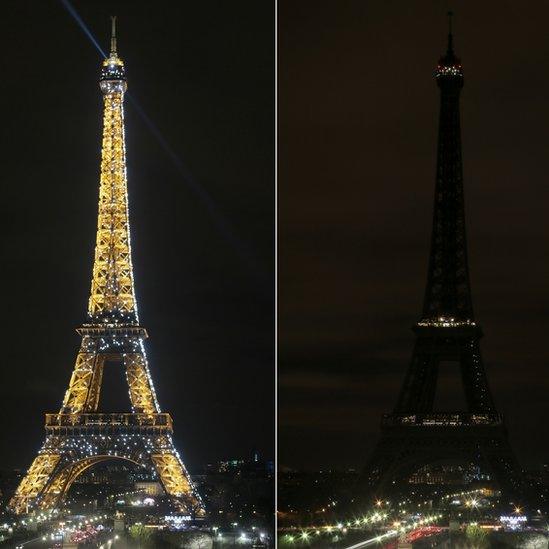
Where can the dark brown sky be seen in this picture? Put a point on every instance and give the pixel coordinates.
(358, 108)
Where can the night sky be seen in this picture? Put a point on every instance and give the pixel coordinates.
(358, 117)
(203, 72)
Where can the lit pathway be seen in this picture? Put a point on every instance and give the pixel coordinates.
(390, 534)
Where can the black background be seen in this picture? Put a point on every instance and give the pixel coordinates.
(358, 116)
(203, 73)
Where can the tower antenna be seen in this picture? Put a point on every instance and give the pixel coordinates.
(450, 36)
(113, 34)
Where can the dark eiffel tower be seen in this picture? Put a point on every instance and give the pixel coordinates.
(415, 434)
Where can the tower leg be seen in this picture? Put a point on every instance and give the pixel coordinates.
(66, 455)
(76, 396)
(142, 394)
(92, 400)
(401, 452)
(34, 482)
(176, 480)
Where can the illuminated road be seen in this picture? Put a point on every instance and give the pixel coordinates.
(413, 535)
(374, 541)
(89, 528)
(34, 543)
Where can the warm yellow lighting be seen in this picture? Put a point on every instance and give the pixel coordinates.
(112, 333)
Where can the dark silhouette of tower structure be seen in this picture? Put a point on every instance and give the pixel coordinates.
(415, 433)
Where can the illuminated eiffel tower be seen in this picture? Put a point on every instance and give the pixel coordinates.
(79, 437)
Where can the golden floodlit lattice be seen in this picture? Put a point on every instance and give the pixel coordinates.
(112, 283)
(79, 436)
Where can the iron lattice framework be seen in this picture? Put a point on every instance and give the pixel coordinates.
(415, 434)
(78, 436)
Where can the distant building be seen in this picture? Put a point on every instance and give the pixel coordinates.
(448, 475)
(239, 490)
(238, 465)
(153, 489)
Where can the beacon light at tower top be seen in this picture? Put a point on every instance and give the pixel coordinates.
(113, 74)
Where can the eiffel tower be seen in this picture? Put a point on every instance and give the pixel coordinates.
(416, 434)
(79, 437)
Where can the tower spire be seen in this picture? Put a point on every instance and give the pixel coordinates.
(113, 35)
(450, 50)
